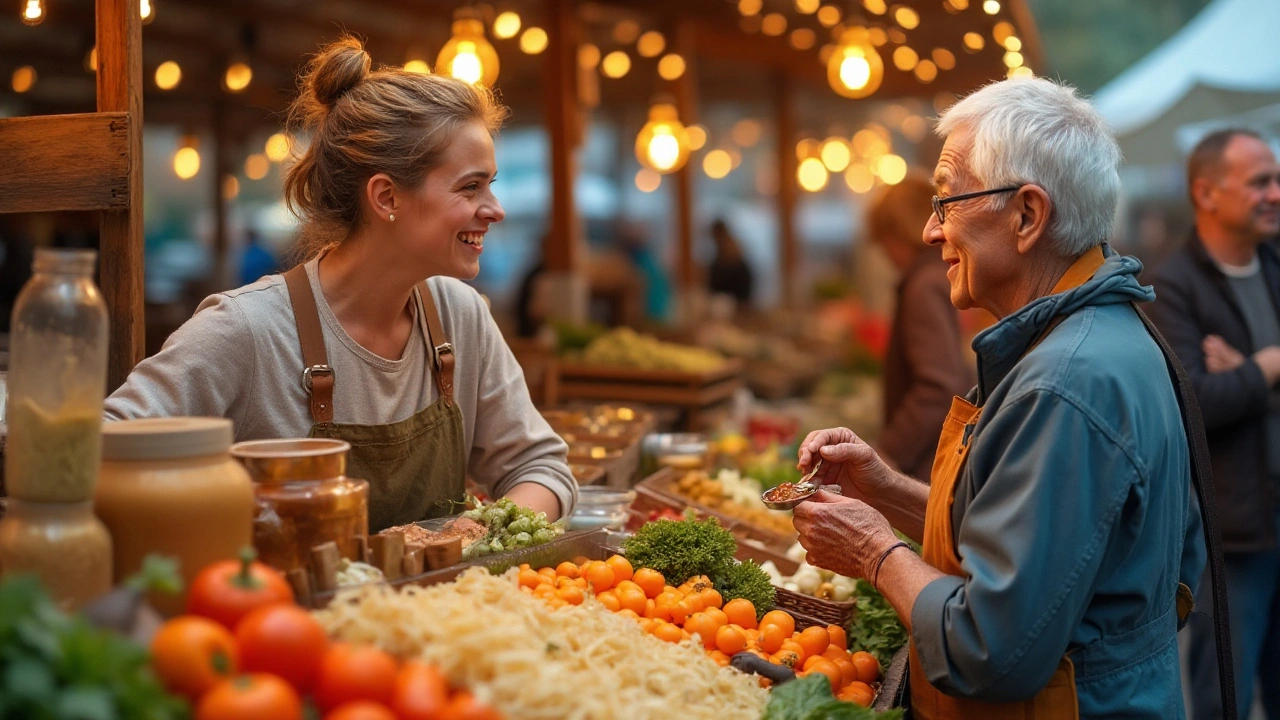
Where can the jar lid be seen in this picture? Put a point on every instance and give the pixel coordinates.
(162, 438)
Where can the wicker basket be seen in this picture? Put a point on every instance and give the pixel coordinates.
(810, 611)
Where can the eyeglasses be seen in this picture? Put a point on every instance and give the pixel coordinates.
(939, 204)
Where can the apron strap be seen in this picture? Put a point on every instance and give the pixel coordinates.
(1202, 479)
(439, 345)
(317, 376)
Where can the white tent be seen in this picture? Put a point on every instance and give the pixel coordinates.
(1226, 61)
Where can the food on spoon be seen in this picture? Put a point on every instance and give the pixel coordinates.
(787, 492)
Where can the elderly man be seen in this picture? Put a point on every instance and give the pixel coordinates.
(1060, 519)
(1218, 299)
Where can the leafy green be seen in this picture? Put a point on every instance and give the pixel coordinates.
(875, 627)
(58, 667)
(810, 698)
(681, 549)
(746, 580)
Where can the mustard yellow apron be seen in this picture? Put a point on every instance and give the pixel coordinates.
(416, 468)
(1057, 701)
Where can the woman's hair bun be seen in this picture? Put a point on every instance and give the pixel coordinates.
(340, 66)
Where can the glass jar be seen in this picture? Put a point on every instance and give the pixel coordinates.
(63, 544)
(303, 499)
(57, 381)
(601, 507)
(169, 486)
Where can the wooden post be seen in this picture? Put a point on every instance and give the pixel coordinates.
(221, 277)
(561, 249)
(119, 39)
(685, 89)
(788, 250)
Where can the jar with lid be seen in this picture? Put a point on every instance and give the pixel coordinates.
(62, 544)
(57, 381)
(169, 486)
(303, 499)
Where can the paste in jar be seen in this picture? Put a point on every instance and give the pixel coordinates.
(52, 457)
(62, 544)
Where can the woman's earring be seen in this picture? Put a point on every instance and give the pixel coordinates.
(392, 217)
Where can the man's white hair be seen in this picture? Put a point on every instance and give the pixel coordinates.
(1035, 131)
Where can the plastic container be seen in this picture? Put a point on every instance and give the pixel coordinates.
(303, 499)
(169, 486)
(62, 544)
(57, 380)
(601, 507)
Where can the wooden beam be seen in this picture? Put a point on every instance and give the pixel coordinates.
(784, 147)
(685, 89)
(65, 162)
(119, 40)
(561, 248)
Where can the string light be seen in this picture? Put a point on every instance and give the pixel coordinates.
(991, 7)
(418, 66)
(186, 161)
(859, 178)
(717, 164)
(256, 166)
(1002, 31)
(1013, 43)
(957, 5)
(973, 42)
(146, 9)
(277, 147)
(876, 7)
(750, 7)
(588, 56)
(812, 174)
(1013, 59)
(855, 69)
(237, 77)
(671, 67)
(626, 32)
(906, 17)
(23, 79)
(891, 169)
(468, 55)
(651, 44)
(944, 58)
(1021, 71)
(168, 75)
(836, 154)
(871, 142)
(774, 24)
(829, 15)
(647, 180)
(506, 25)
(533, 41)
(616, 64)
(663, 143)
(807, 7)
(803, 38)
(697, 137)
(91, 59)
(926, 71)
(905, 59)
(33, 12)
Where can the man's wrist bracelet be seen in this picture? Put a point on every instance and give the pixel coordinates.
(875, 574)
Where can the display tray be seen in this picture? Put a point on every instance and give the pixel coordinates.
(693, 392)
(594, 544)
(660, 486)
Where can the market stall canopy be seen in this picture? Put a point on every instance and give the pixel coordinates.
(1224, 62)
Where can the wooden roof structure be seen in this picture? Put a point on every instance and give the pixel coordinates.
(61, 155)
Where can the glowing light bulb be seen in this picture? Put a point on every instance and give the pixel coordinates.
(256, 166)
(533, 41)
(836, 154)
(467, 55)
(829, 16)
(146, 11)
(891, 169)
(23, 79)
(616, 64)
(663, 142)
(905, 59)
(812, 174)
(906, 17)
(973, 42)
(664, 150)
(277, 147)
(33, 12)
(186, 163)
(418, 66)
(651, 44)
(647, 180)
(506, 25)
(991, 7)
(671, 67)
(750, 7)
(697, 137)
(859, 178)
(168, 75)
(717, 164)
(466, 65)
(238, 77)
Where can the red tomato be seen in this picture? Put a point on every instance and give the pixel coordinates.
(355, 672)
(250, 697)
(361, 710)
(421, 692)
(464, 706)
(283, 640)
(227, 591)
(192, 654)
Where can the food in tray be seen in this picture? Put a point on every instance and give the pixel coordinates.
(532, 660)
(736, 496)
(462, 527)
(624, 347)
(810, 580)
(510, 527)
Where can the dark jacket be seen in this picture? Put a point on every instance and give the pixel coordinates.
(1193, 300)
(924, 366)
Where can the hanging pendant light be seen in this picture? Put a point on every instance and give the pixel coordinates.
(663, 142)
(855, 69)
(32, 12)
(468, 56)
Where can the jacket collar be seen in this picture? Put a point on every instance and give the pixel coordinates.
(1098, 277)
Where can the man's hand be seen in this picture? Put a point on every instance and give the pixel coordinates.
(843, 535)
(1268, 360)
(846, 460)
(1219, 356)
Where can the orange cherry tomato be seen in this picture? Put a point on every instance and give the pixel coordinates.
(741, 612)
(530, 579)
(790, 658)
(668, 632)
(192, 654)
(795, 647)
(716, 614)
(572, 595)
(420, 692)
(815, 640)
(650, 581)
(361, 710)
(730, 639)
(355, 672)
(285, 641)
(227, 591)
(868, 666)
(681, 611)
(567, 569)
(782, 619)
(609, 600)
(705, 627)
(825, 667)
(250, 697)
(859, 693)
(848, 671)
(771, 637)
(633, 599)
(600, 575)
(621, 568)
(464, 706)
(838, 636)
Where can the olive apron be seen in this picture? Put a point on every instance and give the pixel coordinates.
(1057, 701)
(416, 468)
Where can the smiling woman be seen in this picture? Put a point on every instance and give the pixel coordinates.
(396, 194)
